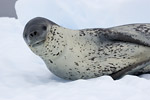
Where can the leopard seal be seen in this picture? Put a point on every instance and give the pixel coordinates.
(89, 53)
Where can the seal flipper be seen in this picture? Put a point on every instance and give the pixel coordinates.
(132, 33)
(130, 70)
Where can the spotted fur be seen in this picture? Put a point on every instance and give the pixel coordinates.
(90, 53)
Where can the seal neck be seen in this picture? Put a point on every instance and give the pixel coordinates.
(55, 43)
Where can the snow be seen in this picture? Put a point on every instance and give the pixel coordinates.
(24, 76)
(77, 14)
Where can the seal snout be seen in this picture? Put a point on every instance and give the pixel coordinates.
(33, 37)
(33, 34)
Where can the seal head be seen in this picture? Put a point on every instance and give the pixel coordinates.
(36, 30)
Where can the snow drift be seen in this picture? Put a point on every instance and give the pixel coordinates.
(24, 76)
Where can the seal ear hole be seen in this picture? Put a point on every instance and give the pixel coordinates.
(44, 28)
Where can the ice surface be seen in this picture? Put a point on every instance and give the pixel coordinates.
(24, 76)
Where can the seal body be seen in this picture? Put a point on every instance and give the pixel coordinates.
(90, 53)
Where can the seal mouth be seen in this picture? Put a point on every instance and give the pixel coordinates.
(38, 43)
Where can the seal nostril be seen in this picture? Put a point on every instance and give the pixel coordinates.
(31, 35)
(35, 33)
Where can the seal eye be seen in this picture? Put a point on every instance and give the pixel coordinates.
(25, 35)
(44, 28)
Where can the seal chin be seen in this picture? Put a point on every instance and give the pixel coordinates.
(38, 43)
